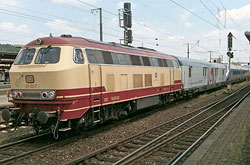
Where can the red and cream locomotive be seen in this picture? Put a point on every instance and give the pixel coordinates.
(63, 83)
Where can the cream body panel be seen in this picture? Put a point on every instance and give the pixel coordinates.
(123, 72)
(65, 74)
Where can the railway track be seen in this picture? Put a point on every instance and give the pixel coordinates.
(170, 142)
(18, 150)
(3, 126)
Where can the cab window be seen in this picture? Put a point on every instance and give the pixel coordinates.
(78, 56)
(49, 55)
(25, 56)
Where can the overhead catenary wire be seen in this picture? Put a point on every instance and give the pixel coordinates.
(111, 28)
(27, 16)
(225, 30)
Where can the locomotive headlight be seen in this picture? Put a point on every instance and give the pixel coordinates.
(14, 94)
(51, 94)
(19, 94)
(44, 94)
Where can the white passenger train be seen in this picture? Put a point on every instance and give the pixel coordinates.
(199, 75)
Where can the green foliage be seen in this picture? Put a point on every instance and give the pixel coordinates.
(8, 48)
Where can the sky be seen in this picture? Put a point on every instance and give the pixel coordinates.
(168, 26)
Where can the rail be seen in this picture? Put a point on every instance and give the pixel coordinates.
(126, 150)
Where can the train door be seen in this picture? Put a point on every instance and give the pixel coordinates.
(211, 76)
(205, 75)
(95, 84)
(171, 79)
(190, 75)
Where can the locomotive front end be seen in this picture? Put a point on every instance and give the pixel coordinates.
(40, 77)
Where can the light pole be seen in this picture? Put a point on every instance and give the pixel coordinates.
(100, 15)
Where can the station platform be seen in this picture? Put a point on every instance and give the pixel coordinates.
(229, 143)
(4, 101)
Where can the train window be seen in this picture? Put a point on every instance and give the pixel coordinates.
(216, 71)
(78, 56)
(204, 71)
(25, 56)
(165, 63)
(135, 60)
(160, 62)
(107, 58)
(170, 63)
(49, 55)
(95, 56)
(128, 59)
(99, 56)
(115, 58)
(146, 61)
(190, 70)
(121, 59)
(176, 64)
(91, 58)
(155, 62)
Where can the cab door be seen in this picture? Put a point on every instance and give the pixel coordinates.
(95, 85)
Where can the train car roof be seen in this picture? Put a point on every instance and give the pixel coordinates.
(79, 41)
(194, 62)
(218, 65)
(237, 67)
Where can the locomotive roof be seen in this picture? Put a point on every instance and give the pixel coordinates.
(193, 62)
(79, 41)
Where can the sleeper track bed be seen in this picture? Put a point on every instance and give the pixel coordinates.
(134, 149)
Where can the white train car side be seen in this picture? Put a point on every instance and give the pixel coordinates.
(238, 74)
(198, 76)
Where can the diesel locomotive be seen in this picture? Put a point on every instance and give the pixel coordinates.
(64, 83)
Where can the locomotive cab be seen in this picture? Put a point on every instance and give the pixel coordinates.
(40, 77)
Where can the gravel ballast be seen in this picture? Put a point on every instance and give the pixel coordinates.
(94, 142)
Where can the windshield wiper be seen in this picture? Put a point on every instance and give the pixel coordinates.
(44, 52)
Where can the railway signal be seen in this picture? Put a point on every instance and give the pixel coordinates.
(230, 45)
(230, 54)
(125, 21)
(230, 41)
